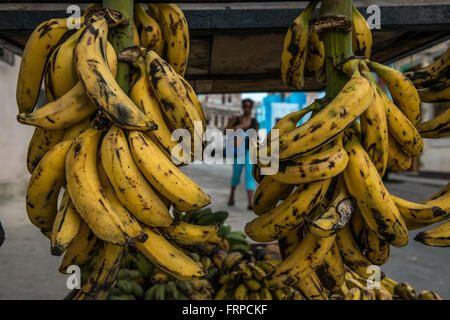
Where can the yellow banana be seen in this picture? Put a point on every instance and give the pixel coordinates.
(65, 227)
(374, 127)
(72, 132)
(41, 141)
(324, 164)
(377, 249)
(353, 100)
(240, 292)
(439, 93)
(81, 249)
(44, 186)
(175, 32)
(398, 159)
(295, 48)
(315, 61)
(104, 273)
(308, 255)
(190, 234)
(353, 294)
(432, 74)
(151, 36)
(436, 128)
(402, 90)
(436, 237)
(351, 254)
(85, 190)
(429, 295)
(419, 215)
(331, 271)
(129, 184)
(405, 291)
(68, 109)
(173, 96)
(441, 199)
(34, 59)
(361, 35)
(99, 82)
(312, 288)
(136, 39)
(373, 200)
(173, 184)
(358, 228)
(167, 257)
(268, 193)
(337, 215)
(130, 224)
(289, 215)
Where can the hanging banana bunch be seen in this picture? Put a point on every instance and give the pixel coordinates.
(110, 153)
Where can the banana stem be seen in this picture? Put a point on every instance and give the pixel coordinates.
(121, 37)
(338, 45)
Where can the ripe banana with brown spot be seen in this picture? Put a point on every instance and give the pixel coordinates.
(44, 186)
(167, 257)
(289, 215)
(83, 185)
(41, 141)
(436, 237)
(295, 48)
(72, 132)
(130, 186)
(359, 230)
(173, 96)
(190, 234)
(374, 127)
(436, 128)
(331, 271)
(329, 122)
(361, 35)
(398, 159)
(337, 215)
(100, 84)
(151, 35)
(104, 273)
(377, 249)
(308, 255)
(315, 61)
(418, 215)
(68, 109)
(429, 295)
(65, 227)
(402, 90)
(81, 249)
(312, 288)
(268, 193)
(373, 200)
(173, 184)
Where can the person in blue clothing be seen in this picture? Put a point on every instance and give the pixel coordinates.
(244, 122)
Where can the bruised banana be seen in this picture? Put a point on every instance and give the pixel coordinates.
(84, 187)
(337, 215)
(315, 62)
(104, 273)
(130, 224)
(34, 58)
(436, 237)
(308, 255)
(377, 250)
(322, 165)
(167, 257)
(418, 215)
(295, 48)
(373, 200)
(173, 97)
(361, 35)
(81, 250)
(432, 74)
(289, 215)
(436, 128)
(175, 32)
(173, 184)
(402, 90)
(41, 141)
(374, 127)
(44, 186)
(331, 271)
(398, 159)
(151, 36)
(65, 227)
(130, 186)
(99, 82)
(329, 122)
(70, 108)
(190, 234)
(312, 288)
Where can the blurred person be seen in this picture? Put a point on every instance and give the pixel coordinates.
(244, 122)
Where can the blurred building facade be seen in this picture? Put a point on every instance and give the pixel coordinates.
(219, 108)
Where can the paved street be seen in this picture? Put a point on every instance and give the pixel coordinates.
(28, 271)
